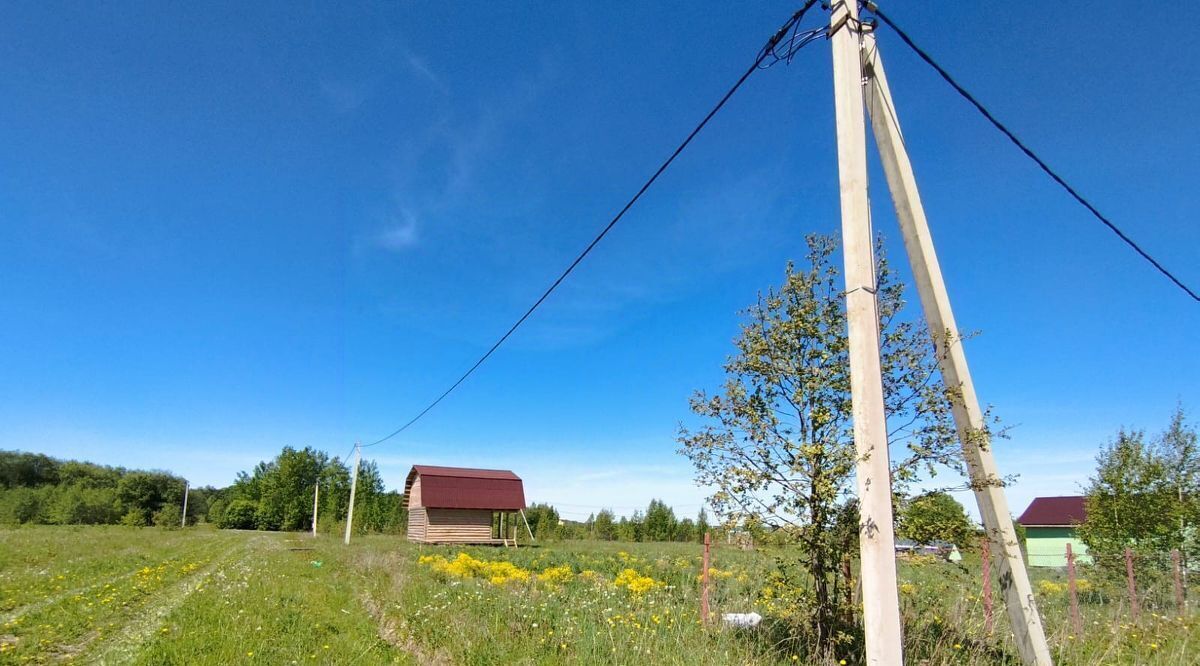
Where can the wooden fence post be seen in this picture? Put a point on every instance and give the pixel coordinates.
(704, 580)
(1072, 589)
(1133, 600)
(987, 584)
(1179, 600)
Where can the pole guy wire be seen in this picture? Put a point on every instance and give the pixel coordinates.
(923, 55)
(766, 52)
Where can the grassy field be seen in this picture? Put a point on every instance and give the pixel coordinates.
(199, 596)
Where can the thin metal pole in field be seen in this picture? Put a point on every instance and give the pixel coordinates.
(1180, 602)
(704, 579)
(1073, 591)
(1133, 600)
(987, 583)
(353, 489)
(186, 487)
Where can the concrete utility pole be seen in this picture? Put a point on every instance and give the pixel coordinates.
(881, 599)
(968, 416)
(353, 488)
(187, 485)
(316, 495)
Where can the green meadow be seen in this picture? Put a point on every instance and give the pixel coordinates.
(124, 595)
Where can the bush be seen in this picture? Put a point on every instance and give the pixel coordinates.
(134, 518)
(216, 509)
(81, 505)
(238, 515)
(170, 516)
(22, 505)
(268, 516)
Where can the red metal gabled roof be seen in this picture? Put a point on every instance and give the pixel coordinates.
(464, 488)
(1054, 512)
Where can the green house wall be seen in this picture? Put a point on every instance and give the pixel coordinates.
(1047, 546)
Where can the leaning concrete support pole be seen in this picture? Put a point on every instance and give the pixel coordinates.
(968, 416)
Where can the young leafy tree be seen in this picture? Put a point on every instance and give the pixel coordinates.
(933, 517)
(543, 521)
(1180, 451)
(1145, 496)
(778, 446)
(685, 530)
(605, 526)
(659, 523)
(702, 525)
(1129, 502)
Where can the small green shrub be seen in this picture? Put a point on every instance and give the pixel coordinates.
(238, 515)
(170, 517)
(134, 518)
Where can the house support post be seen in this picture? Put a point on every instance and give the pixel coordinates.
(527, 527)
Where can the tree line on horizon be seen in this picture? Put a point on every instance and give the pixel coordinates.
(36, 488)
(275, 495)
(657, 523)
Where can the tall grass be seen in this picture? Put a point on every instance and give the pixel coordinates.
(200, 596)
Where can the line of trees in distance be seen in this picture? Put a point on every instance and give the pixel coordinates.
(278, 495)
(275, 495)
(657, 523)
(36, 488)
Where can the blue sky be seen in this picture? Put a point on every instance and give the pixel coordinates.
(225, 229)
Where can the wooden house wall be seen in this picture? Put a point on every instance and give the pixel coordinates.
(417, 521)
(430, 525)
(458, 525)
(414, 493)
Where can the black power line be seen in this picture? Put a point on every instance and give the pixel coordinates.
(1025, 149)
(768, 51)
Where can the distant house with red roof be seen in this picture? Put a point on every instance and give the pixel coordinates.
(1050, 524)
(462, 505)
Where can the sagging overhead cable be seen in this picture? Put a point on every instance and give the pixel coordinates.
(923, 55)
(768, 52)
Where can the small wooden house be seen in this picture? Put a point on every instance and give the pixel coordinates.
(459, 505)
(1050, 524)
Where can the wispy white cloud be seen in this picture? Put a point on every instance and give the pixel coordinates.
(417, 65)
(402, 234)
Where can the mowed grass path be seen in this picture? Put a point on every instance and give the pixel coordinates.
(198, 596)
(120, 595)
